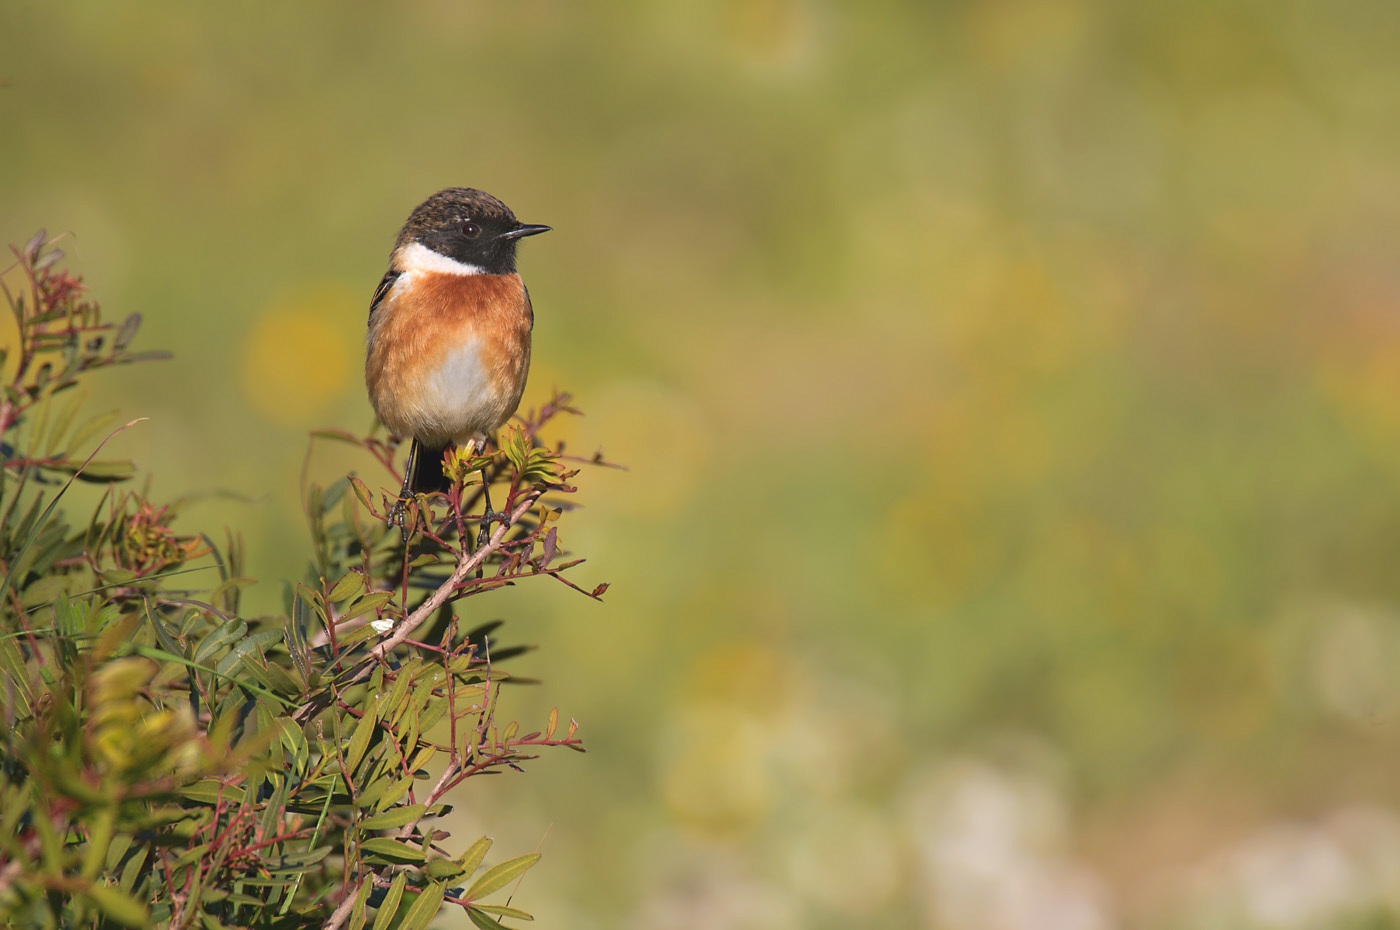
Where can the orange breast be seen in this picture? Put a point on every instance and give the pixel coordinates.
(448, 355)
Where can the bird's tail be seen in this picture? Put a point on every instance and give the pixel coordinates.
(425, 469)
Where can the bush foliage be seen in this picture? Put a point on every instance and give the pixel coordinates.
(168, 761)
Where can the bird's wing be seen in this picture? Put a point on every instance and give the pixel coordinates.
(382, 291)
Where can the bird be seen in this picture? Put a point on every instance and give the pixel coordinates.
(448, 343)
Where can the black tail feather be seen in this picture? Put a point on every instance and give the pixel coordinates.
(425, 470)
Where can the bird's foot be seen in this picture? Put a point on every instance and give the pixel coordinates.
(398, 516)
(483, 535)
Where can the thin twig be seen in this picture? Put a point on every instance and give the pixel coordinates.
(467, 564)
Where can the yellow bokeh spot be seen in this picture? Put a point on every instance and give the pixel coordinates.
(749, 673)
(716, 774)
(769, 32)
(300, 355)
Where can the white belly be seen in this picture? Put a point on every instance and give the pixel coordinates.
(459, 382)
(457, 401)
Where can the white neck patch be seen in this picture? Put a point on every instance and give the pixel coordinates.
(418, 257)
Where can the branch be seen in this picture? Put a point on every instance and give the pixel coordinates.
(341, 913)
(468, 563)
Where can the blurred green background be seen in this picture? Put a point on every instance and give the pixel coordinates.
(1011, 392)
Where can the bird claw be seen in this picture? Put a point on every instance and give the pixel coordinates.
(397, 516)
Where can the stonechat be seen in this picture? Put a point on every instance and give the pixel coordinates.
(449, 329)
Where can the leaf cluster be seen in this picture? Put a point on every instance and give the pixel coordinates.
(168, 761)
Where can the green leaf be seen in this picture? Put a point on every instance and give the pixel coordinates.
(271, 881)
(381, 847)
(222, 636)
(504, 911)
(421, 758)
(117, 577)
(209, 921)
(162, 634)
(367, 604)
(162, 656)
(395, 791)
(119, 906)
(209, 791)
(295, 742)
(269, 675)
(134, 871)
(375, 783)
(193, 854)
(333, 495)
(390, 905)
(120, 844)
(398, 817)
(13, 668)
(104, 470)
(470, 860)
(400, 690)
(497, 877)
(103, 826)
(359, 741)
(356, 636)
(349, 585)
(299, 860)
(45, 590)
(276, 800)
(424, 908)
(313, 600)
(484, 921)
(62, 424)
(357, 913)
(127, 332)
(435, 711)
(443, 870)
(361, 490)
(247, 646)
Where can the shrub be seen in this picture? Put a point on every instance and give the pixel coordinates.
(168, 761)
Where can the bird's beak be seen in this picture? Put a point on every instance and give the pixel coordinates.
(523, 230)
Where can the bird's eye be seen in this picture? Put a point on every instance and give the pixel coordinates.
(471, 230)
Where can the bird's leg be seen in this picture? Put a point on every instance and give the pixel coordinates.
(396, 512)
(483, 534)
(486, 518)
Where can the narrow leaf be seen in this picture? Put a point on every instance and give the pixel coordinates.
(359, 741)
(392, 850)
(384, 917)
(471, 859)
(484, 921)
(497, 877)
(425, 908)
(119, 906)
(398, 817)
(503, 911)
(222, 636)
